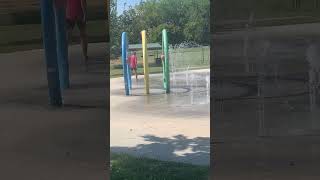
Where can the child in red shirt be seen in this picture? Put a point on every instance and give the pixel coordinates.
(133, 62)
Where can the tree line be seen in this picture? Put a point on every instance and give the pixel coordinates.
(185, 20)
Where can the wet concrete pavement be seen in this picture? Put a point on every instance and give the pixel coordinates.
(170, 127)
(268, 126)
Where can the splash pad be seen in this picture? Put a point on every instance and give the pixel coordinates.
(173, 103)
(178, 82)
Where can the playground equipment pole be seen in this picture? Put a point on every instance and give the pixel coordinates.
(165, 65)
(145, 61)
(62, 44)
(124, 62)
(129, 69)
(50, 48)
(129, 77)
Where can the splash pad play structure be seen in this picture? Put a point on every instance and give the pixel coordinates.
(53, 15)
(176, 80)
(165, 64)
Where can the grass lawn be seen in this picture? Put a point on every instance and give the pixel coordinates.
(117, 72)
(195, 58)
(29, 36)
(125, 167)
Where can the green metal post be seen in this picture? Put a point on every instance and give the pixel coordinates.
(166, 67)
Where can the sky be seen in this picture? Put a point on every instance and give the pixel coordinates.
(120, 4)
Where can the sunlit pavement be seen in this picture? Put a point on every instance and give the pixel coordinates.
(41, 142)
(173, 127)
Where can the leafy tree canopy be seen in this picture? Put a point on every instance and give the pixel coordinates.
(185, 20)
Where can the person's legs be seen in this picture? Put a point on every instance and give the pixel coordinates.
(136, 73)
(69, 35)
(70, 26)
(84, 40)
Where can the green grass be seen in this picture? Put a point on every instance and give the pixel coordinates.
(195, 58)
(117, 72)
(125, 167)
(26, 37)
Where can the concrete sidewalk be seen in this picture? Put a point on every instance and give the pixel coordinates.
(41, 142)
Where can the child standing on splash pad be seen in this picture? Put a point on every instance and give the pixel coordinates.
(133, 62)
(77, 15)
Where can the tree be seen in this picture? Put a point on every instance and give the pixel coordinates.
(185, 20)
(114, 30)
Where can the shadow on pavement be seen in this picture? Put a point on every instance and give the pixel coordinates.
(178, 148)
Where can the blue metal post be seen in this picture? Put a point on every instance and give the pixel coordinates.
(129, 76)
(129, 69)
(62, 44)
(124, 62)
(50, 48)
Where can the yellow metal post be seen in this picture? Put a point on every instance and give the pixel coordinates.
(145, 61)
